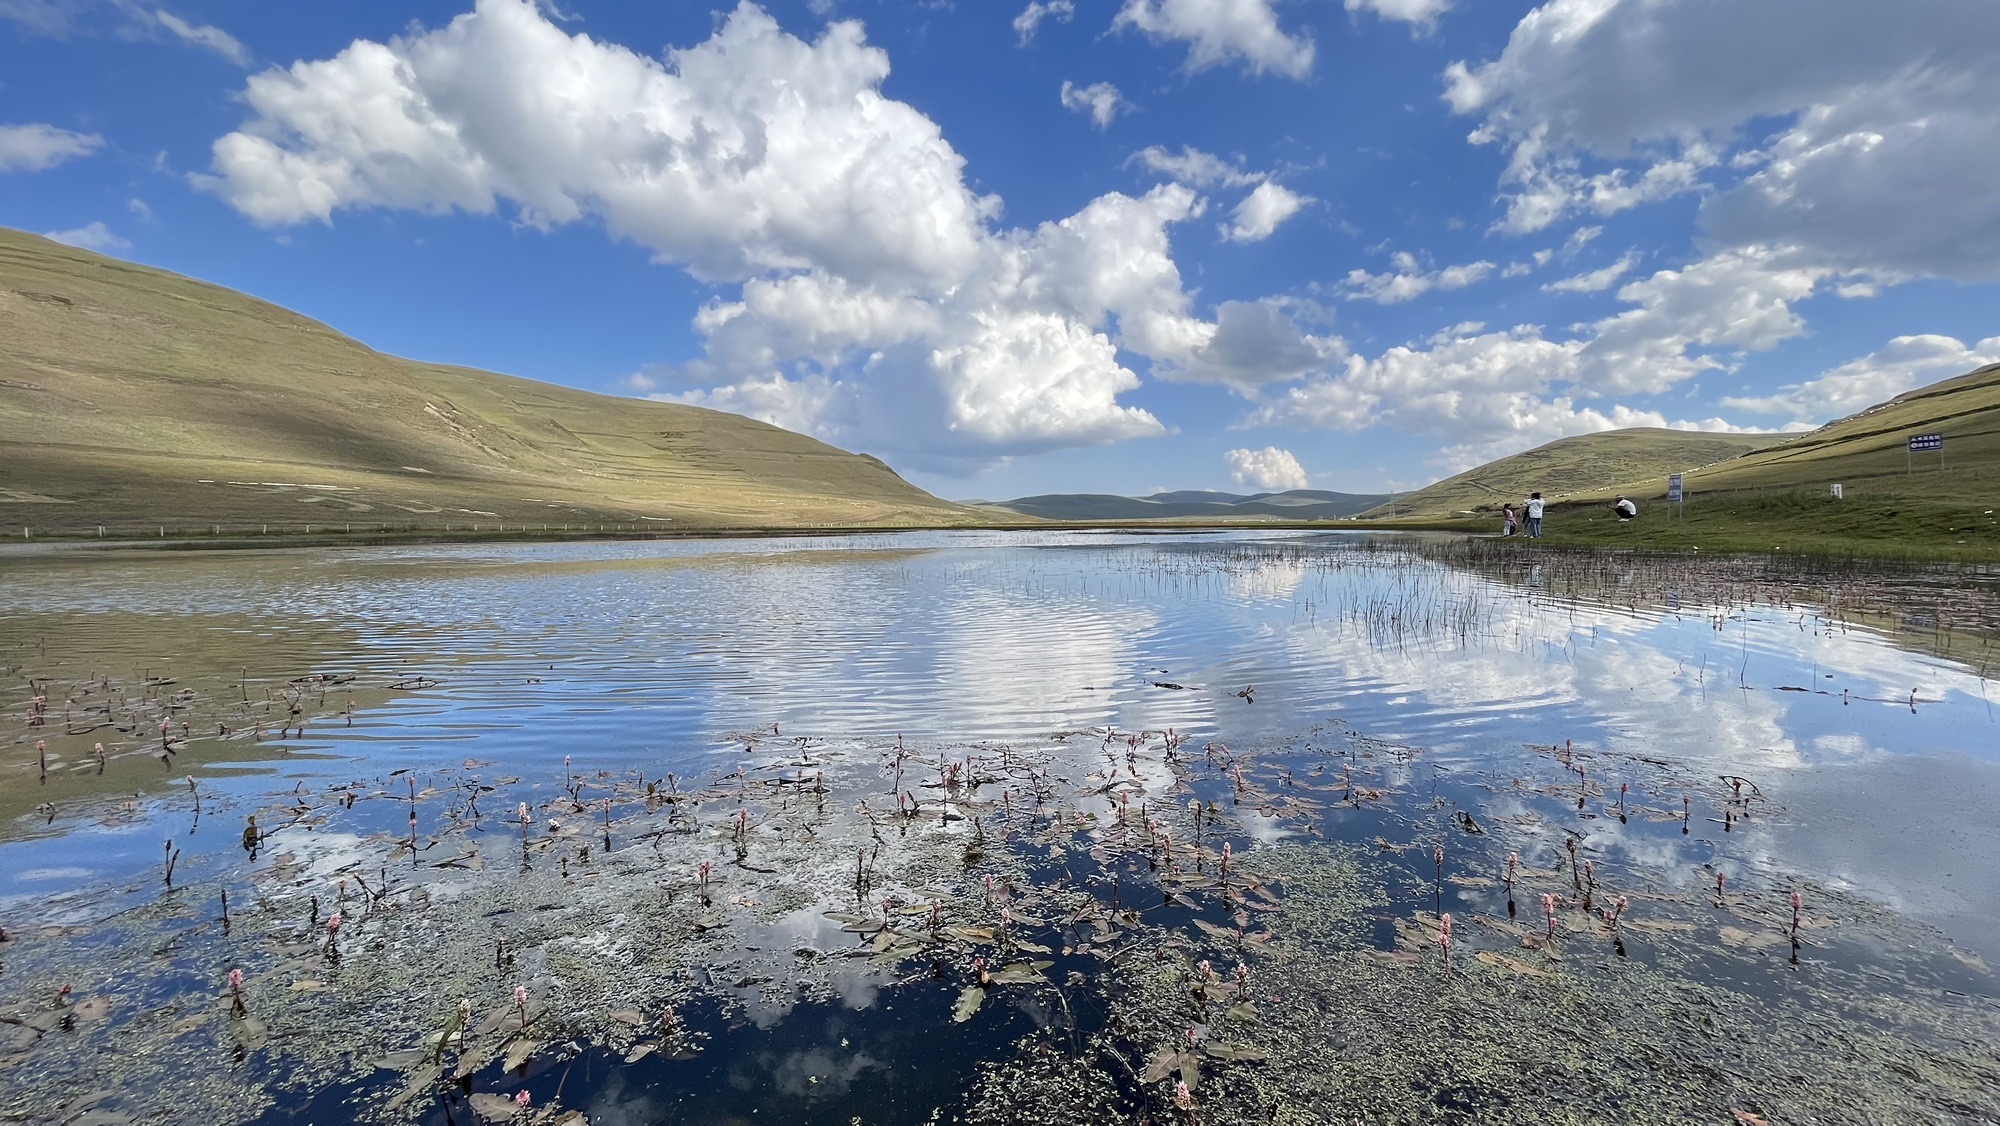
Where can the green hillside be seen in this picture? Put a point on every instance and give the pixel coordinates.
(1869, 454)
(132, 397)
(1781, 496)
(1574, 465)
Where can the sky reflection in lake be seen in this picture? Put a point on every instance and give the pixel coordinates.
(1881, 756)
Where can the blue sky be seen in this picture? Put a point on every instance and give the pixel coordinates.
(1103, 245)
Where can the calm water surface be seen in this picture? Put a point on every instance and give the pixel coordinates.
(1856, 704)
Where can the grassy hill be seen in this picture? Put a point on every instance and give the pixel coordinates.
(1780, 496)
(1868, 452)
(132, 397)
(1296, 504)
(1568, 466)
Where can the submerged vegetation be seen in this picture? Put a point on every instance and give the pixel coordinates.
(1103, 925)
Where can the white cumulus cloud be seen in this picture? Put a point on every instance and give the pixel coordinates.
(1100, 100)
(1480, 394)
(1031, 17)
(1270, 469)
(1906, 363)
(1881, 158)
(125, 19)
(1196, 168)
(33, 148)
(1408, 279)
(1595, 281)
(1477, 394)
(1223, 31)
(202, 35)
(864, 293)
(94, 236)
(1262, 212)
(1252, 343)
(1422, 13)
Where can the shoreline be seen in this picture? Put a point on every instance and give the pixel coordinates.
(1662, 536)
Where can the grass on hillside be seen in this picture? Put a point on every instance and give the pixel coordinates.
(1585, 461)
(1909, 525)
(135, 398)
(1780, 497)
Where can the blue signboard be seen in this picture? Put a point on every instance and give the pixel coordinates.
(1922, 442)
(1673, 488)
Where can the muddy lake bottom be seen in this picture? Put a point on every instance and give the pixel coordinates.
(996, 828)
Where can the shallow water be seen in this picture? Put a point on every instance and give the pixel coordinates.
(1852, 704)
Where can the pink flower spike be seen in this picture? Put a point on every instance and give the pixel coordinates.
(1798, 901)
(333, 923)
(521, 1100)
(1183, 1098)
(236, 981)
(520, 996)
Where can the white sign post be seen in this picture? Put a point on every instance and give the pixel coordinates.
(1675, 494)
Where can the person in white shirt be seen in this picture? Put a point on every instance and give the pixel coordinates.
(1534, 507)
(1625, 509)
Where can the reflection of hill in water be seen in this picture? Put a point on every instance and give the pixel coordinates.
(108, 677)
(1938, 611)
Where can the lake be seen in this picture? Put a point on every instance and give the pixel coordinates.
(982, 828)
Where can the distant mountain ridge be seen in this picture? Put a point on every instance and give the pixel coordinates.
(1293, 504)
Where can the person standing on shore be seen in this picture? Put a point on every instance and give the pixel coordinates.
(1534, 507)
(1509, 523)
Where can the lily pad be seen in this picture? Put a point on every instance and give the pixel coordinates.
(968, 1003)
